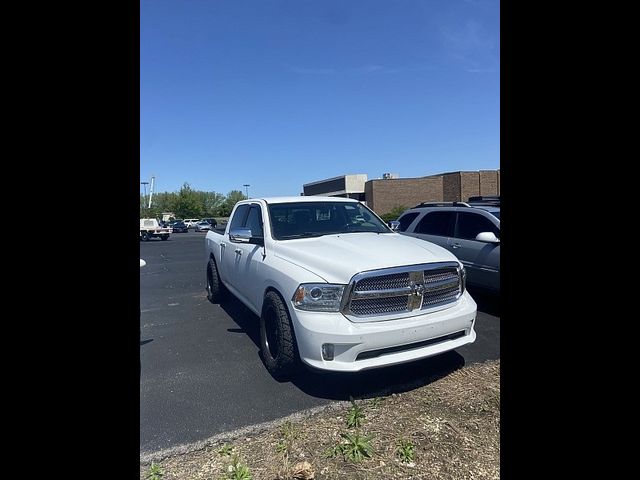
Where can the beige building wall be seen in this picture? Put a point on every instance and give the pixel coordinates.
(459, 186)
(355, 183)
(385, 195)
(451, 187)
(489, 182)
(469, 185)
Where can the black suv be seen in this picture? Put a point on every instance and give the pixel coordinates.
(180, 227)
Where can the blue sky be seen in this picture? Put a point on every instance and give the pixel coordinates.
(278, 93)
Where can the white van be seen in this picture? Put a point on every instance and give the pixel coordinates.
(191, 222)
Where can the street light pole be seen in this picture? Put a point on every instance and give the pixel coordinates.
(151, 191)
(144, 197)
(246, 185)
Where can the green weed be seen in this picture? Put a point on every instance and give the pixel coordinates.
(225, 450)
(405, 450)
(355, 447)
(154, 473)
(289, 431)
(238, 471)
(282, 446)
(355, 415)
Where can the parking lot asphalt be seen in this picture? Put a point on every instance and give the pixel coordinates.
(201, 369)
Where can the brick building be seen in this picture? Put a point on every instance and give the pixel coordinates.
(383, 195)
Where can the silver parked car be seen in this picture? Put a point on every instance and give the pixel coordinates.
(203, 227)
(470, 232)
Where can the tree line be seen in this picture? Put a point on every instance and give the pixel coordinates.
(189, 203)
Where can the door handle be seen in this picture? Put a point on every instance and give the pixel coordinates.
(238, 251)
(222, 244)
(455, 245)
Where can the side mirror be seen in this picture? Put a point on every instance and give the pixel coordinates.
(394, 225)
(142, 263)
(487, 237)
(243, 235)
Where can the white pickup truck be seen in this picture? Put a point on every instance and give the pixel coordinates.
(336, 288)
(150, 228)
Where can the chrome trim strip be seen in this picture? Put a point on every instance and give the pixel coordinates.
(404, 269)
(441, 285)
(391, 292)
(476, 267)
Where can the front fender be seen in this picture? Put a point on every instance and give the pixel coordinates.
(285, 277)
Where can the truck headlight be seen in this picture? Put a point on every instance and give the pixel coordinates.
(318, 297)
(463, 279)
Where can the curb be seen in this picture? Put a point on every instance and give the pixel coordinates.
(147, 458)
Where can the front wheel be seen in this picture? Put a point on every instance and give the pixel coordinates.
(165, 237)
(145, 237)
(277, 339)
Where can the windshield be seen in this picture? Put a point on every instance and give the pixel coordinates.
(314, 219)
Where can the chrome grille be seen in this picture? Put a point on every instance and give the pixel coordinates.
(384, 282)
(378, 305)
(403, 290)
(448, 288)
(449, 274)
(432, 300)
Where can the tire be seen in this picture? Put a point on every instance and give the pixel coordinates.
(277, 338)
(216, 291)
(145, 237)
(165, 237)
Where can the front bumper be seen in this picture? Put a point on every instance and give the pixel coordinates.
(350, 339)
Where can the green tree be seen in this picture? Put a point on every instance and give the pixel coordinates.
(233, 197)
(164, 201)
(143, 207)
(187, 203)
(211, 203)
(161, 202)
(394, 213)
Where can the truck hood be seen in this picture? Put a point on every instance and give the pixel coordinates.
(337, 258)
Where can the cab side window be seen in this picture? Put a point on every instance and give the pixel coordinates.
(239, 217)
(254, 221)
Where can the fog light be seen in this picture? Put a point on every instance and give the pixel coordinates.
(327, 351)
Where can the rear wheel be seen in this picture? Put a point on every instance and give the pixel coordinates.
(277, 339)
(216, 291)
(145, 237)
(165, 237)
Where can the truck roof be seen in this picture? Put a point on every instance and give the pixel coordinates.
(301, 199)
